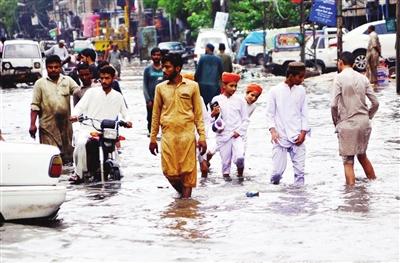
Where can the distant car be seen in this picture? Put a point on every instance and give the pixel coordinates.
(214, 37)
(21, 62)
(29, 181)
(174, 47)
(356, 42)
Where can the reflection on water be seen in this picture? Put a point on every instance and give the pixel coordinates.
(183, 217)
(294, 200)
(99, 191)
(355, 198)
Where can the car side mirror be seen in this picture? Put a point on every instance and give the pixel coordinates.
(43, 55)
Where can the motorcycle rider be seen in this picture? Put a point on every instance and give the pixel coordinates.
(98, 103)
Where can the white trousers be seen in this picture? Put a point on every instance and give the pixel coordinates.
(279, 162)
(79, 157)
(231, 150)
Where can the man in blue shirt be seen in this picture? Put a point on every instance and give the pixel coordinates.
(152, 75)
(208, 74)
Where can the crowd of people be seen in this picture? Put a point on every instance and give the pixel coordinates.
(200, 114)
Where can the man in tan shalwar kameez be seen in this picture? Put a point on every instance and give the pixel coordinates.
(177, 109)
(373, 54)
(351, 116)
(51, 101)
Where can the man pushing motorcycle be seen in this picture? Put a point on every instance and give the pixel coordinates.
(100, 104)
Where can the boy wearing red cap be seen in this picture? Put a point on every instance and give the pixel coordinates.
(229, 136)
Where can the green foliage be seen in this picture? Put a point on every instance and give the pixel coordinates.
(199, 13)
(7, 13)
(150, 4)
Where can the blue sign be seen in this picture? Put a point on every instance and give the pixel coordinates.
(323, 12)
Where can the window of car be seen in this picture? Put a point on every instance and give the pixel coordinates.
(171, 46)
(380, 29)
(321, 43)
(21, 51)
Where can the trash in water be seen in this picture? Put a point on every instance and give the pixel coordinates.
(252, 194)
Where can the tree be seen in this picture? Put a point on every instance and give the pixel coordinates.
(8, 10)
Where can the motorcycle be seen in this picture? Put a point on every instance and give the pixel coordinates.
(103, 141)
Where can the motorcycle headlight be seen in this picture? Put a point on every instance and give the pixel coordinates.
(36, 65)
(110, 134)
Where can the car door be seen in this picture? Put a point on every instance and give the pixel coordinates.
(387, 40)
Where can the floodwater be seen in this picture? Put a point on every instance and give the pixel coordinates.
(140, 219)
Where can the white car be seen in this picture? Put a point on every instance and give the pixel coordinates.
(356, 42)
(29, 181)
(214, 37)
(21, 62)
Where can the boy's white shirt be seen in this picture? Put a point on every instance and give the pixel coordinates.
(287, 112)
(234, 113)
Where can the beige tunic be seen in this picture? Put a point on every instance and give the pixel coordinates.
(350, 113)
(177, 109)
(372, 57)
(53, 102)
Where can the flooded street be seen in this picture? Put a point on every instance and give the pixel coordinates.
(139, 219)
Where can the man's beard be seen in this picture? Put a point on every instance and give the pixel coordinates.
(54, 76)
(171, 77)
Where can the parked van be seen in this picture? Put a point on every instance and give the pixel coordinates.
(21, 62)
(213, 36)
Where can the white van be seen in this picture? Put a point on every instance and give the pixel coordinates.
(214, 37)
(21, 62)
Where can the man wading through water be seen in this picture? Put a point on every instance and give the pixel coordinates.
(178, 110)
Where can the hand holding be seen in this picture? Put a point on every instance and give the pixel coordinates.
(202, 145)
(153, 147)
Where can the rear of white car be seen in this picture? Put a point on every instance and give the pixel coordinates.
(29, 182)
(211, 36)
(21, 62)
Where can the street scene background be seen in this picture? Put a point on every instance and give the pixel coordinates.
(141, 219)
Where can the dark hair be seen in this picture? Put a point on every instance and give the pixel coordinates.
(53, 59)
(107, 70)
(221, 46)
(371, 27)
(88, 52)
(210, 47)
(295, 68)
(154, 50)
(174, 58)
(347, 58)
(82, 66)
(102, 63)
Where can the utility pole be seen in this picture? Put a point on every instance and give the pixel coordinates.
(128, 25)
(339, 26)
(398, 47)
(302, 33)
(264, 6)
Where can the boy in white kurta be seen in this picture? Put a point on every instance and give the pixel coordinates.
(288, 124)
(253, 91)
(232, 110)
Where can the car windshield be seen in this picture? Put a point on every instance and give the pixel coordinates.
(171, 46)
(21, 51)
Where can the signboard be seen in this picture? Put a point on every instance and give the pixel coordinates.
(391, 25)
(323, 12)
(221, 19)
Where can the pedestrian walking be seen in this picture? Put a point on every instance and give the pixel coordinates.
(287, 117)
(60, 50)
(177, 109)
(208, 74)
(51, 102)
(372, 57)
(114, 58)
(226, 59)
(231, 110)
(152, 76)
(351, 116)
(253, 92)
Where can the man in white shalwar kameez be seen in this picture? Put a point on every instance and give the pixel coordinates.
(98, 103)
(233, 111)
(288, 124)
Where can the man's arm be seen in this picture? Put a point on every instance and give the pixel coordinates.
(245, 118)
(35, 108)
(372, 98)
(198, 119)
(146, 85)
(155, 120)
(336, 94)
